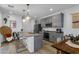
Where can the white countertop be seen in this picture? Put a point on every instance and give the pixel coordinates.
(30, 35)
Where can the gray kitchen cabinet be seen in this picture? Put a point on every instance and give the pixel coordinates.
(34, 42)
(38, 42)
(53, 36)
(56, 20)
(49, 20)
(42, 22)
(45, 21)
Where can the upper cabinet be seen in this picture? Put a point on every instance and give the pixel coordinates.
(55, 21)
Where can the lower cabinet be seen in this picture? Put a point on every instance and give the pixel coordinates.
(55, 37)
(34, 43)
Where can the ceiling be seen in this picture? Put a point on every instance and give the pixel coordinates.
(36, 10)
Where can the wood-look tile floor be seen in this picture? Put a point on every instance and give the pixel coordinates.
(12, 48)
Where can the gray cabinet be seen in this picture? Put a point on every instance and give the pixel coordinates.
(42, 22)
(53, 36)
(56, 20)
(34, 42)
(45, 21)
(38, 42)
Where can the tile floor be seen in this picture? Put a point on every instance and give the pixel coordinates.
(16, 47)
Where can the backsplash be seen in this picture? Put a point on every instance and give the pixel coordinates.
(49, 29)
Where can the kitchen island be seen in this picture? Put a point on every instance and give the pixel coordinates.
(33, 42)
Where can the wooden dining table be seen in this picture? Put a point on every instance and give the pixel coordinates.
(63, 48)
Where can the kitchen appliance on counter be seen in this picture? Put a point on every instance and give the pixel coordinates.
(59, 30)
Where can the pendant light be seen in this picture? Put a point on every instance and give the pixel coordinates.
(27, 16)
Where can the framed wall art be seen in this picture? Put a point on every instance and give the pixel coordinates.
(75, 20)
(13, 24)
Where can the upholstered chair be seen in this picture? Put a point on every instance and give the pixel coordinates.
(6, 32)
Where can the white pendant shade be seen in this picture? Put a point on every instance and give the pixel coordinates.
(27, 18)
(24, 20)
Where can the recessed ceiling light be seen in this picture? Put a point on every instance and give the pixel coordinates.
(51, 9)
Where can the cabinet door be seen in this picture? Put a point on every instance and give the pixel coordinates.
(52, 37)
(42, 23)
(57, 20)
(49, 20)
(38, 42)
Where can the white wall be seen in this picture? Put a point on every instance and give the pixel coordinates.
(0, 26)
(68, 21)
(0, 19)
(13, 17)
(28, 26)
